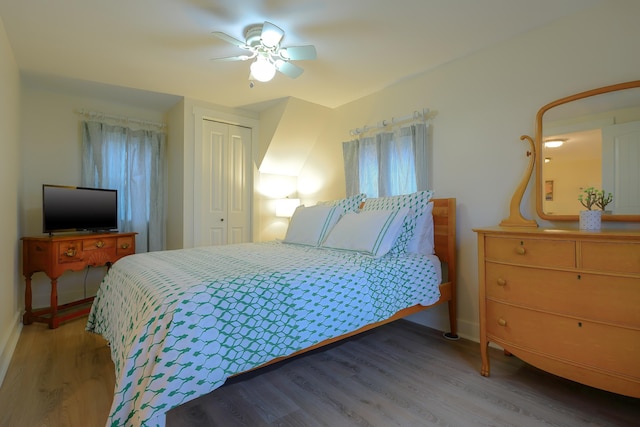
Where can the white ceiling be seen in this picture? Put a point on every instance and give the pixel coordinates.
(165, 46)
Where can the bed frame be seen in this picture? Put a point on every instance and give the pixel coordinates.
(444, 221)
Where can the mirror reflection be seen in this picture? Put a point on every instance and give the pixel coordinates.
(591, 141)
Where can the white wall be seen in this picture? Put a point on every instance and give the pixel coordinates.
(484, 103)
(10, 226)
(175, 172)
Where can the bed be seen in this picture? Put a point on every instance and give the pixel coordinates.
(179, 323)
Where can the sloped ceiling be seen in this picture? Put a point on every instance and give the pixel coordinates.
(288, 133)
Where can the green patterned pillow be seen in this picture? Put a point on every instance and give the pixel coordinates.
(416, 202)
(348, 204)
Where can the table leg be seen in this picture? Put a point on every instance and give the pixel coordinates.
(484, 355)
(53, 321)
(27, 318)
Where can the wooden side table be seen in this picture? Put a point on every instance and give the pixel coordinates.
(53, 255)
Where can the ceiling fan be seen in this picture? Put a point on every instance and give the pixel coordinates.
(263, 43)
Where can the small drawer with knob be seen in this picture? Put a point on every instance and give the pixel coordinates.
(70, 251)
(615, 257)
(98, 243)
(531, 251)
(125, 245)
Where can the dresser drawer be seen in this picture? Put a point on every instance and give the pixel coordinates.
(598, 346)
(534, 252)
(125, 246)
(99, 243)
(589, 296)
(70, 251)
(611, 256)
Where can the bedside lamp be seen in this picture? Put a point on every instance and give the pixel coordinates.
(286, 207)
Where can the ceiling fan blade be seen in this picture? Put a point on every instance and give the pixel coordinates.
(289, 69)
(232, 58)
(271, 34)
(295, 53)
(229, 39)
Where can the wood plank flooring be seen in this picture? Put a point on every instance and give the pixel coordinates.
(401, 374)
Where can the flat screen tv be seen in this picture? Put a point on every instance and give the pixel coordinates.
(78, 209)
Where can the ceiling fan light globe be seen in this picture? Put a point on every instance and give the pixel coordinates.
(263, 70)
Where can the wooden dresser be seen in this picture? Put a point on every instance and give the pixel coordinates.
(565, 301)
(54, 255)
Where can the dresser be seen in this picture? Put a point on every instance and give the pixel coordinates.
(53, 255)
(565, 301)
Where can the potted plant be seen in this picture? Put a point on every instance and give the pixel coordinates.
(603, 200)
(592, 198)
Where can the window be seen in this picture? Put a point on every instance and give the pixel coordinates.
(388, 163)
(132, 162)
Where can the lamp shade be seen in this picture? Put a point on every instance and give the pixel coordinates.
(286, 207)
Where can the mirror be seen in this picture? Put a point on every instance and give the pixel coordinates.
(599, 132)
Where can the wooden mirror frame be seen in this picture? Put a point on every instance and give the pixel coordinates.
(539, 154)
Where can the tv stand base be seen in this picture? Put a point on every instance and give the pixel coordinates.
(53, 255)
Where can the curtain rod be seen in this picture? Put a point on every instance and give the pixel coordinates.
(394, 120)
(124, 119)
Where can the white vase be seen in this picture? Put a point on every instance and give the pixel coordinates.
(590, 220)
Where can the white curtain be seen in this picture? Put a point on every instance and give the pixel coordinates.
(388, 163)
(132, 162)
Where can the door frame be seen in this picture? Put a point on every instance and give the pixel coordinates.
(200, 114)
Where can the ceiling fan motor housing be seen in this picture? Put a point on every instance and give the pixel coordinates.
(253, 35)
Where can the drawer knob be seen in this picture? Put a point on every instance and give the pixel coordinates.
(99, 244)
(125, 246)
(70, 252)
(521, 250)
(502, 322)
(501, 282)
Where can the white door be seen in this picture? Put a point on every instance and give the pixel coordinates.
(621, 166)
(224, 199)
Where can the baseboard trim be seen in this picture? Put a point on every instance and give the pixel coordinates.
(438, 318)
(9, 344)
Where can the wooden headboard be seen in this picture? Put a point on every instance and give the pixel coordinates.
(444, 223)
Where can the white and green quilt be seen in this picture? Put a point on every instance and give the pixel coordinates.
(181, 322)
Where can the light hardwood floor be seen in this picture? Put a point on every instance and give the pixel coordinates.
(401, 374)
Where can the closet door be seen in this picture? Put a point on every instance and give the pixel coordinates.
(225, 196)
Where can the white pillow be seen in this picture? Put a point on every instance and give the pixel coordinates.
(422, 240)
(309, 226)
(372, 232)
